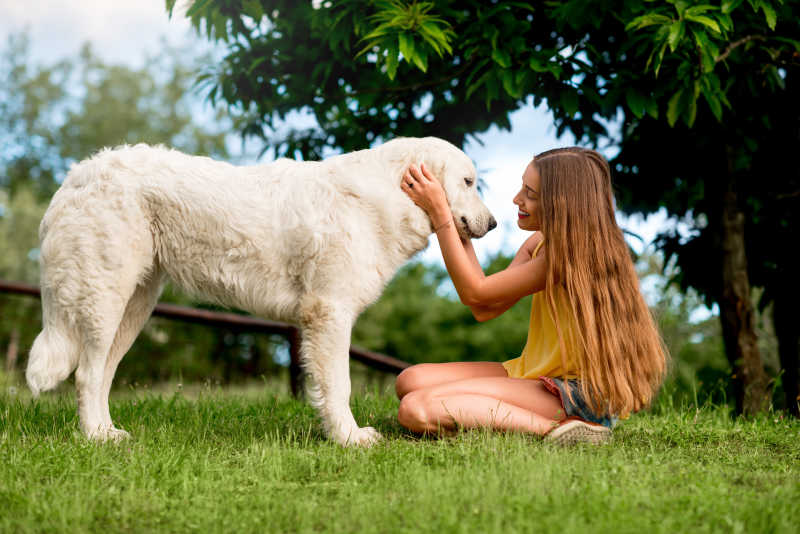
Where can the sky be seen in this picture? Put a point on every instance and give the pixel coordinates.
(124, 31)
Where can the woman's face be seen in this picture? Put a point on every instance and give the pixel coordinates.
(528, 201)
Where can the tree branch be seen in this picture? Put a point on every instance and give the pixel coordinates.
(739, 43)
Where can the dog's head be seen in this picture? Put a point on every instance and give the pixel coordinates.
(455, 171)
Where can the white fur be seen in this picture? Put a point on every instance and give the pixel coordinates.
(311, 243)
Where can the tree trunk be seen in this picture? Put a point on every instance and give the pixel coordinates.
(784, 317)
(737, 314)
(13, 351)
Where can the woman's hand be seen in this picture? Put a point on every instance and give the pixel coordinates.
(427, 193)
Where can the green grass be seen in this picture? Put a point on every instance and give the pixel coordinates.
(211, 460)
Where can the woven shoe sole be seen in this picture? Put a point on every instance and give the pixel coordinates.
(573, 432)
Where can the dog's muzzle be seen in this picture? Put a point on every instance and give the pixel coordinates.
(471, 233)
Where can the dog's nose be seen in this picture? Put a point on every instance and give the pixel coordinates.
(492, 223)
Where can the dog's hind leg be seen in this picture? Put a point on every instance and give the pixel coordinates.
(137, 311)
(99, 327)
(325, 352)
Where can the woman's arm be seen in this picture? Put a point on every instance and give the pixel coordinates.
(523, 255)
(473, 289)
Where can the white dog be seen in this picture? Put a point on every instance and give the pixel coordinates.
(311, 243)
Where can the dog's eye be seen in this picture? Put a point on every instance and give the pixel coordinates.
(469, 181)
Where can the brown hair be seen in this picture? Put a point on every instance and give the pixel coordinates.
(623, 360)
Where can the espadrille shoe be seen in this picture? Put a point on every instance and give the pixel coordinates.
(574, 430)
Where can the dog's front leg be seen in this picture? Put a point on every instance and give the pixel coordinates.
(325, 352)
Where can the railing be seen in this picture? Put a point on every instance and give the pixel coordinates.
(239, 322)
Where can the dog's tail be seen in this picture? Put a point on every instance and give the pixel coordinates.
(53, 357)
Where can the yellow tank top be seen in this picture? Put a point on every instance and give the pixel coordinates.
(542, 353)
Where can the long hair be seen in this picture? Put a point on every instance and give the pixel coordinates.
(623, 360)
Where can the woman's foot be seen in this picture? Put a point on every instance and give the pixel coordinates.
(574, 430)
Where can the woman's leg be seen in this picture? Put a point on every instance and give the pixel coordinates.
(425, 375)
(500, 403)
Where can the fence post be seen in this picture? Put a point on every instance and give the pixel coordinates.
(295, 369)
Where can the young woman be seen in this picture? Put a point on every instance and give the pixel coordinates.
(593, 352)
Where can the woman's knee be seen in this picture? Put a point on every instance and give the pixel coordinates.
(410, 379)
(413, 412)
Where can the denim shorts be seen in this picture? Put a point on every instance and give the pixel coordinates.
(577, 405)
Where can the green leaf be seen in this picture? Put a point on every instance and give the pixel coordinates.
(501, 57)
(713, 102)
(380, 31)
(792, 42)
(536, 64)
(253, 9)
(730, 5)
(652, 107)
(507, 79)
(254, 65)
(436, 35)
(674, 107)
(406, 43)
(708, 50)
(726, 22)
(690, 105)
(197, 6)
(636, 102)
(491, 89)
(660, 58)
(569, 100)
(647, 20)
(475, 86)
(705, 21)
(475, 70)
(769, 13)
(522, 80)
(697, 10)
(421, 59)
(676, 32)
(392, 60)
(220, 26)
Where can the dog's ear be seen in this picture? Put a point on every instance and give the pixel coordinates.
(436, 166)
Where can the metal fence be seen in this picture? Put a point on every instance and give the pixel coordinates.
(243, 323)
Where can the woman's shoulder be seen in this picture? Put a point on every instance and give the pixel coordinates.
(533, 243)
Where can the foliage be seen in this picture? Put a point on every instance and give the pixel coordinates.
(754, 155)
(233, 461)
(54, 115)
(586, 59)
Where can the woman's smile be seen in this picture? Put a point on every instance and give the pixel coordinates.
(522, 214)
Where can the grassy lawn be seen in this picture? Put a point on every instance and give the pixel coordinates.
(251, 460)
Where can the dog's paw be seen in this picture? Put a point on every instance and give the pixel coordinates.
(117, 435)
(108, 434)
(363, 437)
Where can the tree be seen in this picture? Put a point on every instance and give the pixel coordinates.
(374, 69)
(54, 115)
(751, 157)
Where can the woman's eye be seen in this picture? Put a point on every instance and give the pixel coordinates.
(469, 181)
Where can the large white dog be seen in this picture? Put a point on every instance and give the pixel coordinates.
(311, 243)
